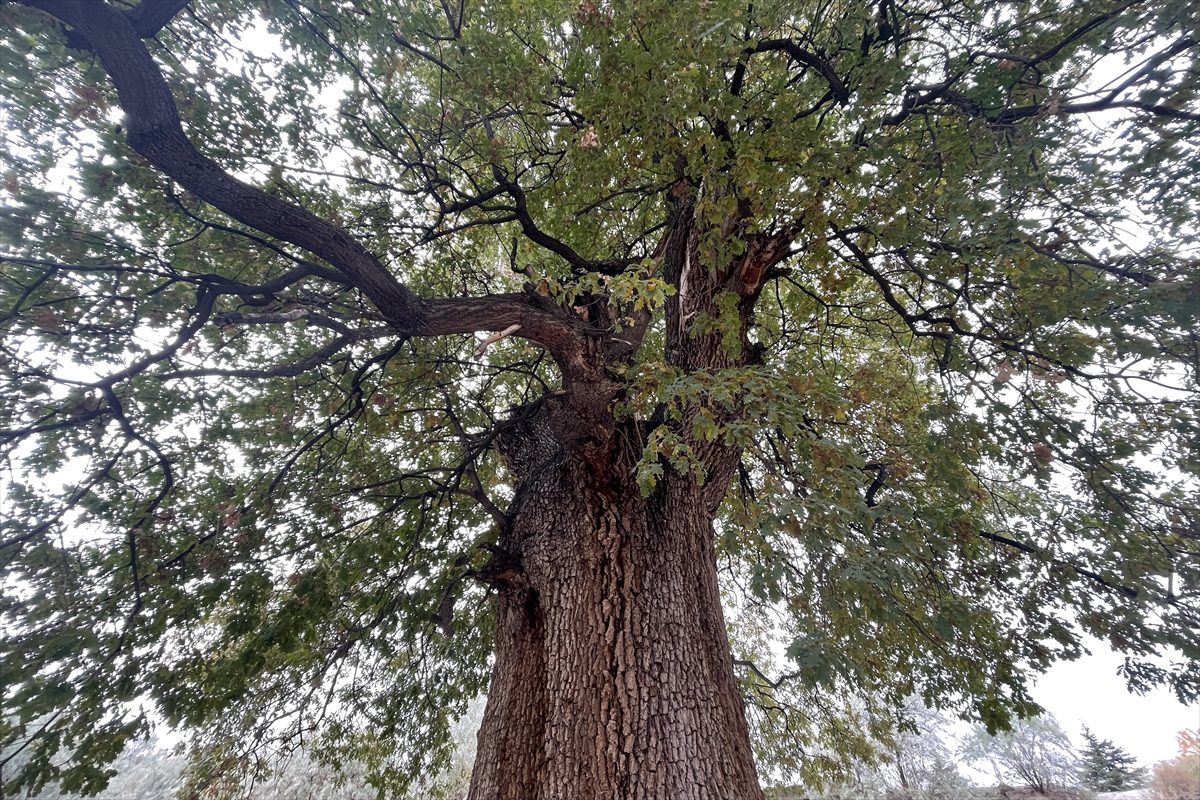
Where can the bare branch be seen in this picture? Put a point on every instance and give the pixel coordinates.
(495, 337)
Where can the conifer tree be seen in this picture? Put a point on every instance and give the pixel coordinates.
(1106, 767)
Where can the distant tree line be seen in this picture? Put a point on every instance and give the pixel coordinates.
(923, 762)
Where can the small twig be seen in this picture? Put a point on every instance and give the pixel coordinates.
(495, 337)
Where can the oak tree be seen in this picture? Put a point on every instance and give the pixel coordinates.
(878, 319)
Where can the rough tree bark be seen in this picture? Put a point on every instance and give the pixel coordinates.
(613, 676)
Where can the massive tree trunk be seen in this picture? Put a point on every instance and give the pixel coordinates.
(613, 676)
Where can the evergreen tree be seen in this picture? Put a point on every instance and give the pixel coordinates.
(358, 357)
(1106, 767)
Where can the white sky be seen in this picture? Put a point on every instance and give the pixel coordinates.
(1090, 692)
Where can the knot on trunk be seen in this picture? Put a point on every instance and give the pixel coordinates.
(527, 442)
(503, 571)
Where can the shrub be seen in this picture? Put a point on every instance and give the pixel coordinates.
(1177, 779)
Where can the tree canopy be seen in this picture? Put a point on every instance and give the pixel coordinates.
(937, 295)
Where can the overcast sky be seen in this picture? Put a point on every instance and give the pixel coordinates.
(1090, 692)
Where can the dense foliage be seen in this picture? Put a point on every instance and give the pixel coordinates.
(249, 483)
(1179, 778)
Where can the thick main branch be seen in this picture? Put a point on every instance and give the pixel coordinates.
(155, 132)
